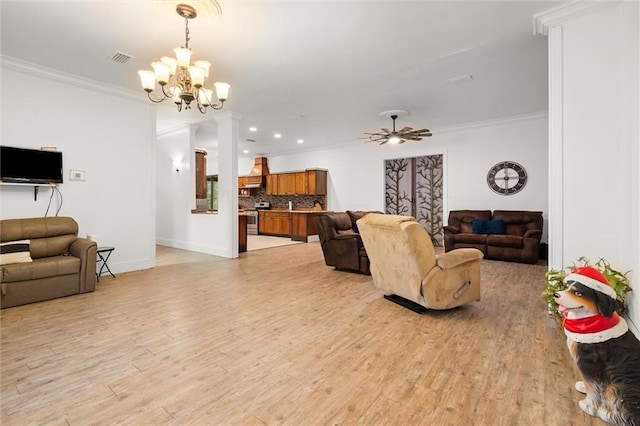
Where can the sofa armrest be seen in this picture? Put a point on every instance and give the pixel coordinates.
(458, 257)
(451, 229)
(86, 251)
(533, 233)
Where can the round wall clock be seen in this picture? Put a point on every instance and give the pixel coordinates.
(507, 178)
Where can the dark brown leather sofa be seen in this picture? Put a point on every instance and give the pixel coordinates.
(59, 262)
(519, 240)
(340, 241)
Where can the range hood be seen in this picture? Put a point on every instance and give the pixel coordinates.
(256, 177)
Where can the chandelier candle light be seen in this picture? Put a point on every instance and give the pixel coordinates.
(180, 80)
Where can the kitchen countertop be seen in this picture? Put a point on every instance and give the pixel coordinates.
(296, 211)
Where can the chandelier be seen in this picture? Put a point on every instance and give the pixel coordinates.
(180, 80)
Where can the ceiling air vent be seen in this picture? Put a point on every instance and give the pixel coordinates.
(250, 140)
(121, 57)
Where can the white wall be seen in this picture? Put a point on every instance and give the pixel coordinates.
(594, 77)
(356, 172)
(176, 226)
(108, 135)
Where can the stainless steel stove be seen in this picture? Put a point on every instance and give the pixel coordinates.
(252, 216)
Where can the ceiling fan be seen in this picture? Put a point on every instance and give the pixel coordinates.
(396, 136)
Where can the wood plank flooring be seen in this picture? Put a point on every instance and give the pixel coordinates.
(276, 337)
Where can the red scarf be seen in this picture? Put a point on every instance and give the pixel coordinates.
(594, 329)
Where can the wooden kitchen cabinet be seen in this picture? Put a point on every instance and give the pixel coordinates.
(308, 182)
(301, 183)
(242, 181)
(272, 185)
(274, 223)
(286, 184)
(201, 174)
(316, 182)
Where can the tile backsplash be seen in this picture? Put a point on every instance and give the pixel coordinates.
(282, 201)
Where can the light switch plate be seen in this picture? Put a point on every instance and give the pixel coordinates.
(76, 175)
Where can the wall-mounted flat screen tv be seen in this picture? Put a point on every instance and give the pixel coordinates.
(21, 165)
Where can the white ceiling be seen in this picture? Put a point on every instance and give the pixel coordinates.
(321, 71)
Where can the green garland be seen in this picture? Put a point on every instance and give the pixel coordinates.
(554, 282)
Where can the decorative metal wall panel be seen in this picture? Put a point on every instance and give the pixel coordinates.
(414, 187)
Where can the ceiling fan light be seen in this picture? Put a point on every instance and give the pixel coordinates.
(394, 140)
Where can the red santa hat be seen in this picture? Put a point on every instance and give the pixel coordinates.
(592, 278)
(597, 328)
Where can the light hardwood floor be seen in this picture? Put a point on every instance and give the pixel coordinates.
(276, 337)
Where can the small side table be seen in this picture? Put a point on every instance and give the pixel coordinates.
(103, 257)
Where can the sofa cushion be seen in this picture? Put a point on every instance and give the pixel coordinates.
(41, 268)
(50, 236)
(341, 221)
(14, 252)
(511, 241)
(356, 215)
(51, 246)
(38, 227)
(515, 229)
(470, 238)
(466, 227)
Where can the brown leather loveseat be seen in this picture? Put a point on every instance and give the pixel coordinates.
(42, 259)
(509, 235)
(340, 241)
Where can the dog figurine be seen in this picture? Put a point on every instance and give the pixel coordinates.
(604, 349)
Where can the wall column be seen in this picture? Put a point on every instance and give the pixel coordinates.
(228, 178)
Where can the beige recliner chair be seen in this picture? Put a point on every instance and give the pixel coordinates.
(404, 265)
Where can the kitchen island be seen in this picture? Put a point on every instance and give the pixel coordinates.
(297, 224)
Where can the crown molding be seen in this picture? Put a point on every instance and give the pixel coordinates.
(178, 130)
(494, 122)
(550, 18)
(36, 70)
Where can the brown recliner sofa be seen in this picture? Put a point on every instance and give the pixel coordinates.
(516, 238)
(62, 264)
(340, 241)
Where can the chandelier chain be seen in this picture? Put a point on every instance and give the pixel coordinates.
(186, 33)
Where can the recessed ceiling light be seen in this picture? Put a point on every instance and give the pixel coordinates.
(277, 135)
(253, 129)
(300, 141)
(245, 151)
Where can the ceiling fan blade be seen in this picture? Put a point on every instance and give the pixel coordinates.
(421, 132)
(377, 138)
(405, 134)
